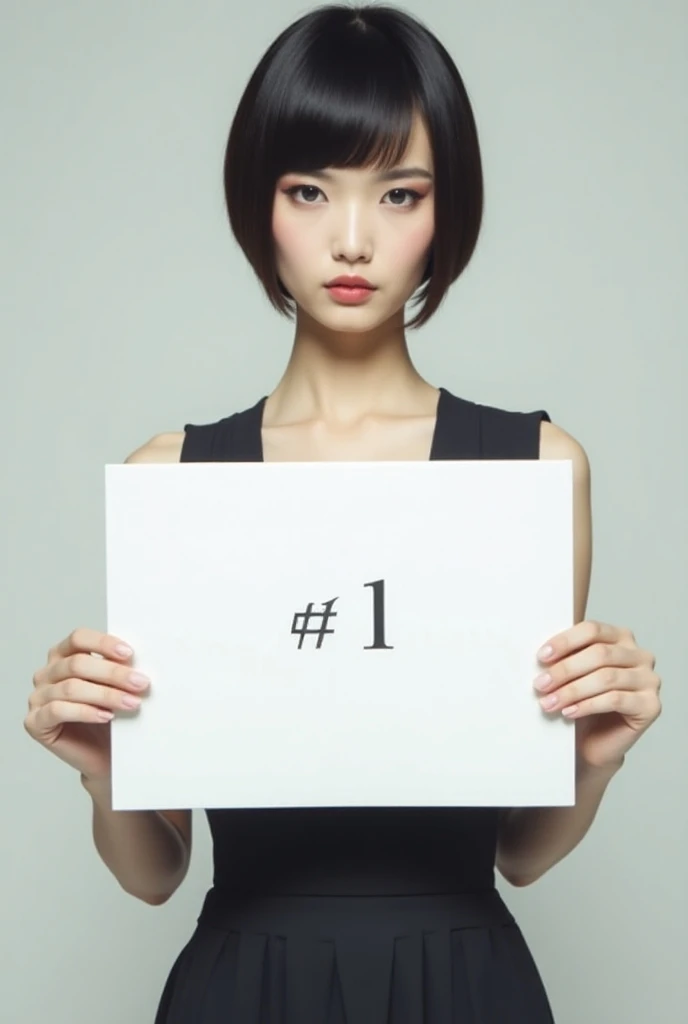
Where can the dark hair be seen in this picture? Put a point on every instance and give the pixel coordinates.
(339, 88)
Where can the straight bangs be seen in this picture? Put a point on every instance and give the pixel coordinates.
(333, 118)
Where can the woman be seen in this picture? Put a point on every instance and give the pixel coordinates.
(354, 185)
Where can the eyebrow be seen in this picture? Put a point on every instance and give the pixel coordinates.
(395, 174)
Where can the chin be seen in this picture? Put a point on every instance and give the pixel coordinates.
(354, 319)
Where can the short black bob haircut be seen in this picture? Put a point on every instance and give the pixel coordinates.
(339, 88)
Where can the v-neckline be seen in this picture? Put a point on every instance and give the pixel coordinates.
(259, 410)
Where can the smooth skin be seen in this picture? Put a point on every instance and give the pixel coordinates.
(351, 393)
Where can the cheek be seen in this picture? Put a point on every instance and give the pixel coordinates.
(413, 246)
(289, 238)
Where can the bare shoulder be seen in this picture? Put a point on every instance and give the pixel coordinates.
(160, 448)
(557, 443)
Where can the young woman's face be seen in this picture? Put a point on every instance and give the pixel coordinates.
(352, 222)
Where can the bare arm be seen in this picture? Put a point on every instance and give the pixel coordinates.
(533, 839)
(148, 852)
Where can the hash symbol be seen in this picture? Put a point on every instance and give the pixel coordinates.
(306, 617)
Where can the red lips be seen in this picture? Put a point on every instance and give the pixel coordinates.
(349, 282)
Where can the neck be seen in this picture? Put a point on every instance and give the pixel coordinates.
(342, 376)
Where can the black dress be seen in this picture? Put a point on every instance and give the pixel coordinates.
(358, 915)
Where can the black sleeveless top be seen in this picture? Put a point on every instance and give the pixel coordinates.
(367, 850)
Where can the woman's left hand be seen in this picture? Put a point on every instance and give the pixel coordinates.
(604, 681)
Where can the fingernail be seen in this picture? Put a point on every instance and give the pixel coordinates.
(123, 650)
(543, 680)
(139, 680)
(545, 652)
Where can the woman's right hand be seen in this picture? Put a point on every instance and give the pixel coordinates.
(75, 696)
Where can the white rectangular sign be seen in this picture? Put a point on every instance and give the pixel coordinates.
(340, 634)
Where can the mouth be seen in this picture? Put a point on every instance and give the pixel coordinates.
(351, 294)
(349, 281)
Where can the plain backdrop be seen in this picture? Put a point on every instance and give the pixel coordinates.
(128, 309)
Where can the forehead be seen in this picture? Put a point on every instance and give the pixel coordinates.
(419, 140)
(418, 151)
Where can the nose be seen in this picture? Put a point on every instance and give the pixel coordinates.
(352, 240)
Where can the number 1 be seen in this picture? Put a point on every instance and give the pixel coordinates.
(378, 617)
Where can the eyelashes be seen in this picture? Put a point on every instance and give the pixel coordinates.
(415, 196)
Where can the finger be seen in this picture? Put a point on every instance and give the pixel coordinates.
(80, 691)
(637, 708)
(646, 657)
(603, 681)
(90, 641)
(95, 670)
(583, 634)
(589, 660)
(56, 712)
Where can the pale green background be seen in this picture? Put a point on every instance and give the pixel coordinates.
(128, 310)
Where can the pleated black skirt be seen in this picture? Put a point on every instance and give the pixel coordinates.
(418, 959)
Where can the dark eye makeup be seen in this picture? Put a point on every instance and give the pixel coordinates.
(293, 190)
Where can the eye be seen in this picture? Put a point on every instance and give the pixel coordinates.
(301, 188)
(415, 196)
